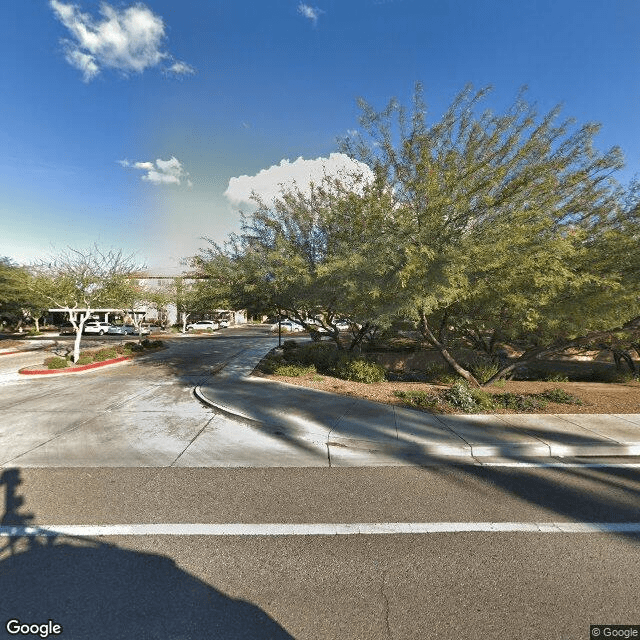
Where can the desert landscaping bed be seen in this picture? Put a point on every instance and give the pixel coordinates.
(554, 386)
(93, 359)
(596, 397)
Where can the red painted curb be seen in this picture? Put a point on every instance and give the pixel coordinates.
(10, 353)
(84, 367)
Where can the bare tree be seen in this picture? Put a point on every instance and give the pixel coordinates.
(79, 281)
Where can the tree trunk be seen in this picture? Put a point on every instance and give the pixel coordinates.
(524, 359)
(631, 325)
(80, 327)
(449, 359)
(619, 355)
(359, 336)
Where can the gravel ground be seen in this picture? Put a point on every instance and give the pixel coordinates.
(597, 397)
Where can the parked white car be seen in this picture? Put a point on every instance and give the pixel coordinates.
(203, 325)
(289, 325)
(95, 326)
(224, 324)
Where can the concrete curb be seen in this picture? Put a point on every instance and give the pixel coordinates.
(86, 367)
(431, 449)
(227, 411)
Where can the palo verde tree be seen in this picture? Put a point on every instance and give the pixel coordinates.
(184, 292)
(503, 224)
(20, 302)
(296, 255)
(12, 292)
(79, 281)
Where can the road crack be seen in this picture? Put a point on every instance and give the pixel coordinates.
(385, 598)
(193, 440)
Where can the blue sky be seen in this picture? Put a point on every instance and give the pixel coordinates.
(132, 124)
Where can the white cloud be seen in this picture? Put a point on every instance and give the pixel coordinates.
(181, 69)
(162, 171)
(269, 183)
(312, 13)
(128, 40)
(146, 166)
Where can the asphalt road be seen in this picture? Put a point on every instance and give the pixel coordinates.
(189, 566)
(462, 584)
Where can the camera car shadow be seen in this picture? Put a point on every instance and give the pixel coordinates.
(98, 590)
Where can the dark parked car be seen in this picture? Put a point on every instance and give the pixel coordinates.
(67, 328)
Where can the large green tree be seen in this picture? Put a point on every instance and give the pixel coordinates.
(11, 292)
(20, 302)
(303, 255)
(506, 226)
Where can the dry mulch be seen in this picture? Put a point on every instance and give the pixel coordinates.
(597, 397)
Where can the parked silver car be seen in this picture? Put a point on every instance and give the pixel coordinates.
(129, 329)
(117, 329)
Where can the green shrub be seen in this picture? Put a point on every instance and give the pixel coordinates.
(440, 374)
(483, 369)
(607, 375)
(269, 363)
(56, 362)
(357, 370)
(484, 400)
(85, 359)
(520, 401)
(459, 396)
(105, 354)
(288, 345)
(293, 370)
(557, 377)
(560, 396)
(323, 355)
(420, 399)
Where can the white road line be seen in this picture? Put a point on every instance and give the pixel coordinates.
(544, 465)
(317, 529)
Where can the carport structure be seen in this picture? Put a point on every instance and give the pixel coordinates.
(103, 315)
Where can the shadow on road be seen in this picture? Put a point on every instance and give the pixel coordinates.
(575, 493)
(97, 590)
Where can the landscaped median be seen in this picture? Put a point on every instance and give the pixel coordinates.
(320, 366)
(93, 359)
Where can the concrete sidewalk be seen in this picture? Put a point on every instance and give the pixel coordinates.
(352, 426)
